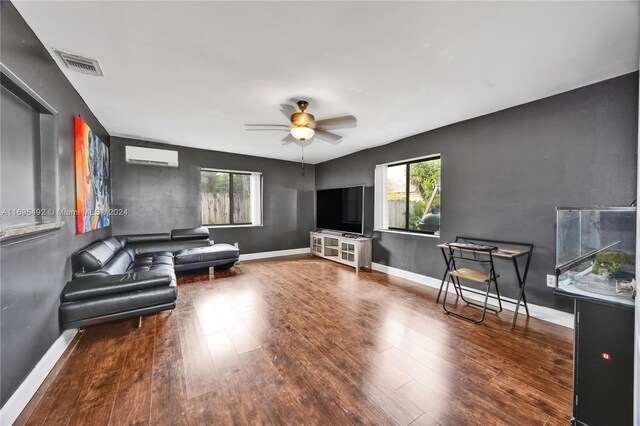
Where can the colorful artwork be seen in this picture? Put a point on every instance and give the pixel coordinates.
(93, 195)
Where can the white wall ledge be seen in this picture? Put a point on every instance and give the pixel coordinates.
(415, 234)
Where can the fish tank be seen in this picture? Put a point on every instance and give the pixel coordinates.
(595, 253)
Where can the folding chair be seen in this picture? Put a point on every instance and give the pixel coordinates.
(474, 254)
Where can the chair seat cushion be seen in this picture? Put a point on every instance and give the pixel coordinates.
(206, 254)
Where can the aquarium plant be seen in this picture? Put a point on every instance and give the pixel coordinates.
(606, 259)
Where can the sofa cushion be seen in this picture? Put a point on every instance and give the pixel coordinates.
(117, 304)
(206, 254)
(153, 254)
(96, 255)
(118, 264)
(132, 252)
(162, 268)
(114, 243)
(90, 274)
(88, 287)
(190, 234)
(150, 259)
(156, 267)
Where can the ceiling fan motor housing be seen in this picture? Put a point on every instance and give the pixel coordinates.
(303, 125)
(303, 119)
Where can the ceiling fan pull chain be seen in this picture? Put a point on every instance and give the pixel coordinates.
(302, 158)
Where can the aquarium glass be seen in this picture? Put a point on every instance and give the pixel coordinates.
(595, 252)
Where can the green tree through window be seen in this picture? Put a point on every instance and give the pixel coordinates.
(413, 194)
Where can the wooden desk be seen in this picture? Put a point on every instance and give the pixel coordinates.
(504, 250)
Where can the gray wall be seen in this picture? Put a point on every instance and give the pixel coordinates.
(33, 273)
(159, 199)
(503, 174)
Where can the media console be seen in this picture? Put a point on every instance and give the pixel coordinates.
(354, 252)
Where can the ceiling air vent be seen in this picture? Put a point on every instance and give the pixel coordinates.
(80, 63)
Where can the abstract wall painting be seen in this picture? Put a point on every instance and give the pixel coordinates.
(93, 195)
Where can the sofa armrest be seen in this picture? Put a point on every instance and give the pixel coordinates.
(93, 274)
(93, 287)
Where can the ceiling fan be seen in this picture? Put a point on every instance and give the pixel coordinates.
(303, 127)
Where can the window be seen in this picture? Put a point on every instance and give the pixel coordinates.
(29, 164)
(230, 197)
(407, 196)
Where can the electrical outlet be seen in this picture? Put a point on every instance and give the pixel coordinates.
(235, 244)
(551, 281)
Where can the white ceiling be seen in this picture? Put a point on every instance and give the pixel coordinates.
(193, 73)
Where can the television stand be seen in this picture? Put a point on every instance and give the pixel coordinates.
(350, 251)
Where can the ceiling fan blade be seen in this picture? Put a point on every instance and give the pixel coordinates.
(277, 129)
(345, 122)
(288, 110)
(267, 125)
(288, 139)
(328, 136)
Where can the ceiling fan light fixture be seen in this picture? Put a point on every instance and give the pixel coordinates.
(302, 133)
(303, 126)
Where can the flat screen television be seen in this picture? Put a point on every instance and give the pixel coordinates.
(340, 209)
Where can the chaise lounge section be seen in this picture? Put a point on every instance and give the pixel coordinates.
(134, 275)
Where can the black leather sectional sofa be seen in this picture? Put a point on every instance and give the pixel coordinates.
(134, 275)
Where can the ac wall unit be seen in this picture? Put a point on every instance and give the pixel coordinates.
(151, 156)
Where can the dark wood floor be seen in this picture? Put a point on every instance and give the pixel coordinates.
(306, 341)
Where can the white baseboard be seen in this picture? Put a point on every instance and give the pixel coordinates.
(546, 314)
(14, 406)
(277, 253)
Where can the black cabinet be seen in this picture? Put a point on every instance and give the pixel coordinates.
(603, 364)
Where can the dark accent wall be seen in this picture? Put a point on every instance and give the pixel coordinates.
(33, 273)
(504, 173)
(159, 199)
